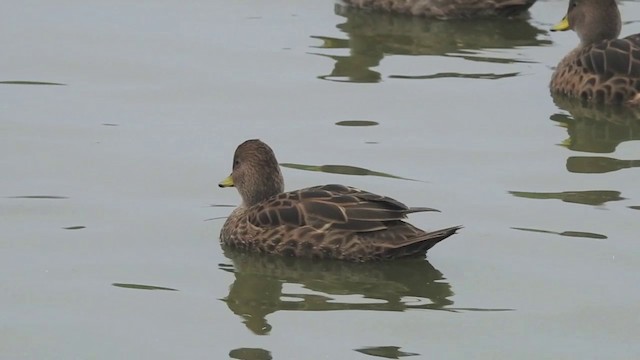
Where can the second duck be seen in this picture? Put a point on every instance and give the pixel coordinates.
(602, 69)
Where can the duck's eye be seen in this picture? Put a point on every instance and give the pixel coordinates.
(236, 163)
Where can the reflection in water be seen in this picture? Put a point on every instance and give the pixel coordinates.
(47, 197)
(590, 197)
(372, 35)
(342, 169)
(142, 287)
(598, 164)
(489, 76)
(250, 354)
(265, 284)
(594, 127)
(389, 352)
(634, 207)
(580, 234)
(77, 227)
(357, 123)
(21, 82)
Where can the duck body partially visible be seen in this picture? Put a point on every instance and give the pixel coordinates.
(447, 9)
(603, 68)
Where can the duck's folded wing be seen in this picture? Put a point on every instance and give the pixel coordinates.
(613, 57)
(331, 207)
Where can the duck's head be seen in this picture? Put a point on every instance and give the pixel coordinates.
(256, 173)
(592, 20)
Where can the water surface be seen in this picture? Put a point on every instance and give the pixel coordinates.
(118, 119)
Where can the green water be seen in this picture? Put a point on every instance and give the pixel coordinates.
(110, 213)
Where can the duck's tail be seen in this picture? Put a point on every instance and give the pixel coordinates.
(422, 244)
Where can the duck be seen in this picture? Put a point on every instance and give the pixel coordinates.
(447, 9)
(320, 222)
(603, 69)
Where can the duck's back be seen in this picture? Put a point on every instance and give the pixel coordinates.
(447, 9)
(330, 221)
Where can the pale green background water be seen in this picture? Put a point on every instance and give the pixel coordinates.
(109, 179)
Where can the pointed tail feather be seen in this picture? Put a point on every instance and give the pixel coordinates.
(420, 246)
(420, 209)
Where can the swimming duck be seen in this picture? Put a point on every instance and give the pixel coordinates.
(447, 9)
(603, 68)
(326, 221)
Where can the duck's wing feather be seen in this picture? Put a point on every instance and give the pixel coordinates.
(331, 207)
(613, 57)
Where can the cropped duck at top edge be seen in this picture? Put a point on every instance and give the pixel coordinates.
(447, 9)
(324, 222)
(602, 69)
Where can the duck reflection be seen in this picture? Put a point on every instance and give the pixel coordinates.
(588, 197)
(577, 234)
(342, 169)
(597, 129)
(372, 35)
(598, 164)
(265, 284)
(389, 352)
(250, 354)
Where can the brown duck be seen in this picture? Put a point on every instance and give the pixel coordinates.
(447, 9)
(327, 221)
(602, 69)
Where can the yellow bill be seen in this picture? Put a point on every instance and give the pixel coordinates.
(227, 182)
(563, 25)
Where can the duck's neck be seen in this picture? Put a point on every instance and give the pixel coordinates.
(263, 190)
(605, 30)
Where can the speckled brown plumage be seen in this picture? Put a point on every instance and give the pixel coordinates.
(603, 68)
(328, 221)
(447, 9)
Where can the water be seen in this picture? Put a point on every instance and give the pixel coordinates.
(118, 120)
